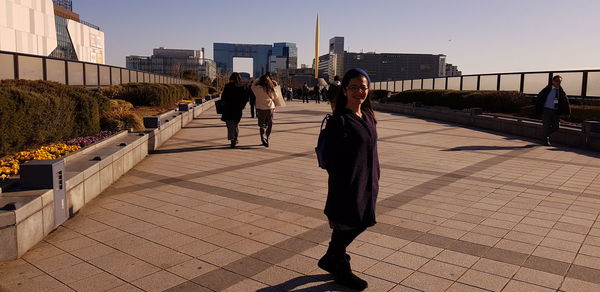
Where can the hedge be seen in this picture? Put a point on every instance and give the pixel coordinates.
(40, 112)
(149, 94)
(490, 101)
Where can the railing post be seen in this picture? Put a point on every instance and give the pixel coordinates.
(478, 81)
(461, 83)
(522, 83)
(498, 83)
(433, 83)
(110, 76)
(422, 82)
(446, 86)
(66, 72)
(584, 80)
(44, 69)
(16, 64)
(411, 83)
(84, 76)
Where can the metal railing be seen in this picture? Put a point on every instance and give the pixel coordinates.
(576, 83)
(24, 66)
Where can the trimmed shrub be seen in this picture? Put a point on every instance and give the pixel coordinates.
(379, 94)
(152, 94)
(580, 113)
(116, 121)
(490, 101)
(120, 105)
(193, 89)
(33, 113)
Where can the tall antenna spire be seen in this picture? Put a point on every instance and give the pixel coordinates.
(317, 49)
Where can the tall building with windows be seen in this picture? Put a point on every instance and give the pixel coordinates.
(380, 66)
(174, 62)
(49, 28)
(266, 58)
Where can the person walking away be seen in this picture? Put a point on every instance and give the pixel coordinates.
(317, 93)
(551, 103)
(334, 88)
(264, 90)
(351, 148)
(234, 99)
(305, 92)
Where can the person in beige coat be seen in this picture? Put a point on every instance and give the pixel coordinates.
(264, 90)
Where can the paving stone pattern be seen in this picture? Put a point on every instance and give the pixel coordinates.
(459, 210)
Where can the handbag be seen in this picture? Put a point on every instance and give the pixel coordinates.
(219, 106)
(278, 100)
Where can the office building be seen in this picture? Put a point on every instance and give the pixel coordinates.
(224, 53)
(380, 66)
(49, 28)
(452, 70)
(174, 62)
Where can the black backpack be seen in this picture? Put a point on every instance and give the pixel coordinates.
(322, 159)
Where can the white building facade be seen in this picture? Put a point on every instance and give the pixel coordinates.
(39, 27)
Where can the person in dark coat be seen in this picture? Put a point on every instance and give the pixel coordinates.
(353, 174)
(317, 93)
(252, 99)
(333, 91)
(234, 99)
(551, 103)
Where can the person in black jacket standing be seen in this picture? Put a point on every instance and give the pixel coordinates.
(234, 99)
(551, 103)
(353, 174)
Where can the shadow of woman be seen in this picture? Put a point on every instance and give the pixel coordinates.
(292, 284)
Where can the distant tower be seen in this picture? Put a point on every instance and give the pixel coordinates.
(336, 45)
(317, 49)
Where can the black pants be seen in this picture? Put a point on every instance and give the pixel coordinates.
(550, 120)
(305, 98)
(341, 239)
(252, 111)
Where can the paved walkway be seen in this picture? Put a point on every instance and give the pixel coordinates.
(459, 210)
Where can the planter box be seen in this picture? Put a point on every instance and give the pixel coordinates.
(566, 135)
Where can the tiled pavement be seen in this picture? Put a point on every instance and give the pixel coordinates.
(459, 210)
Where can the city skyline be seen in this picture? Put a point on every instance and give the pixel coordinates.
(497, 36)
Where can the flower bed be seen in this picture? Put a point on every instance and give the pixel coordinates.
(10, 165)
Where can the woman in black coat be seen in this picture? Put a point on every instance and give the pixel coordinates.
(234, 98)
(353, 174)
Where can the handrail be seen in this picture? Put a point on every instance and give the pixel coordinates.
(584, 83)
(15, 65)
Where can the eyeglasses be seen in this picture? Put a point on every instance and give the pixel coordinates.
(357, 88)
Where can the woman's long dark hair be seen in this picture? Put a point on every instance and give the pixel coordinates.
(267, 84)
(341, 100)
(235, 78)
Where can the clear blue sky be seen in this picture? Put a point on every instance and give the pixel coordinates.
(477, 35)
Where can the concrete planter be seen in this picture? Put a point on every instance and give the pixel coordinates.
(567, 135)
(87, 174)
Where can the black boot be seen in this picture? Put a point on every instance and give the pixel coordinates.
(339, 267)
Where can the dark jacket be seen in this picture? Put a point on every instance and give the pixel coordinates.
(354, 172)
(234, 99)
(334, 88)
(563, 101)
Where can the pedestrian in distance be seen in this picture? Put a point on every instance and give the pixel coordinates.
(305, 92)
(551, 103)
(353, 185)
(333, 91)
(317, 93)
(264, 91)
(234, 98)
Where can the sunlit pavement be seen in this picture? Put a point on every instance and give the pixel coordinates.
(459, 210)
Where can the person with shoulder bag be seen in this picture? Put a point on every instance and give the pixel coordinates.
(234, 99)
(264, 91)
(347, 149)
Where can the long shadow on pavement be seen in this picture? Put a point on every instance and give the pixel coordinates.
(290, 285)
(205, 148)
